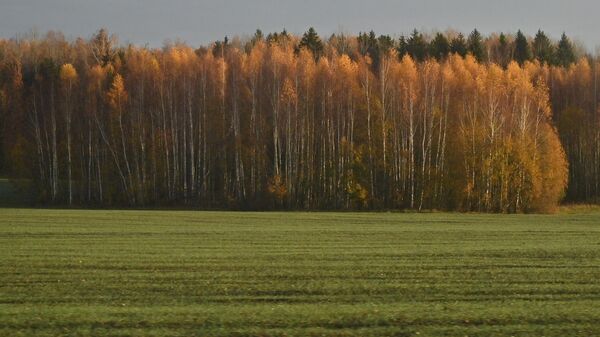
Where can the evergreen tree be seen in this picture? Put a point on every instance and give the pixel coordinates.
(402, 48)
(312, 42)
(385, 43)
(258, 36)
(565, 55)
(543, 49)
(278, 37)
(221, 47)
(522, 49)
(459, 45)
(417, 46)
(475, 46)
(439, 47)
(504, 50)
(368, 45)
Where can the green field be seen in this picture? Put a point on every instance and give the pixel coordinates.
(176, 273)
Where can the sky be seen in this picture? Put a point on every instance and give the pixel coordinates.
(197, 22)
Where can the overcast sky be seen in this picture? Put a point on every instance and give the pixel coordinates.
(202, 21)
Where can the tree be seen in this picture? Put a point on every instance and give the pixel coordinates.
(417, 46)
(409, 86)
(312, 42)
(439, 47)
(375, 48)
(501, 50)
(102, 47)
(367, 44)
(459, 45)
(543, 49)
(402, 48)
(68, 76)
(385, 43)
(522, 50)
(117, 98)
(475, 46)
(261, 124)
(258, 37)
(565, 55)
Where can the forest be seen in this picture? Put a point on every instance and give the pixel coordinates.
(498, 123)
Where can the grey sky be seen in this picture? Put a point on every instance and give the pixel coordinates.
(202, 21)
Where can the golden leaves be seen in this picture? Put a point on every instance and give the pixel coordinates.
(117, 96)
(96, 74)
(68, 73)
(288, 92)
(276, 188)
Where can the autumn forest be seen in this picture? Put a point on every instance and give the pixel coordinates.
(498, 123)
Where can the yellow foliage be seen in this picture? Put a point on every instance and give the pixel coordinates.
(117, 96)
(288, 92)
(68, 73)
(276, 188)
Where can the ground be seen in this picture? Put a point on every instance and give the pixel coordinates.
(180, 273)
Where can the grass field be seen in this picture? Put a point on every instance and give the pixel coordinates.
(176, 273)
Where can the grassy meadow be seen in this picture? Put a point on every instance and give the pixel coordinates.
(186, 273)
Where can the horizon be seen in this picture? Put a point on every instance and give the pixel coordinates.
(200, 23)
(429, 34)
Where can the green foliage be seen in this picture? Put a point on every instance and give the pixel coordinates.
(385, 43)
(367, 44)
(312, 41)
(475, 46)
(505, 51)
(278, 38)
(374, 47)
(176, 273)
(565, 55)
(258, 36)
(459, 45)
(416, 46)
(402, 48)
(522, 49)
(543, 49)
(220, 47)
(439, 47)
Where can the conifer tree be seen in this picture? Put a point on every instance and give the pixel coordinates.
(416, 46)
(475, 46)
(459, 45)
(522, 50)
(439, 47)
(505, 50)
(385, 43)
(543, 49)
(402, 48)
(312, 42)
(565, 55)
(368, 45)
(258, 36)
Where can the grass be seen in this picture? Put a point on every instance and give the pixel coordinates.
(179, 273)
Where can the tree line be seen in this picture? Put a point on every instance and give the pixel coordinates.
(502, 124)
